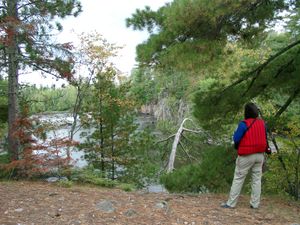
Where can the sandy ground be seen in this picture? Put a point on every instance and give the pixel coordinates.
(35, 203)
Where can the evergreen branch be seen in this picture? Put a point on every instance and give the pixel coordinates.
(29, 3)
(280, 158)
(287, 103)
(257, 71)
(44, 70)
(281, 69)
(277, 115)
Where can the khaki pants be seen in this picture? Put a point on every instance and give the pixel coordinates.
(243, 164)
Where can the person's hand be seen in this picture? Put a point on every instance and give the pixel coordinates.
(268, 151)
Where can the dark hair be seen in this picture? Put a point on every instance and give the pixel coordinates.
(251, 110)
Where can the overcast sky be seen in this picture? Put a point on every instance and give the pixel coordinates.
(107, 17)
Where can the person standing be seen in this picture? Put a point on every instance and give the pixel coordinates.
(252, 144)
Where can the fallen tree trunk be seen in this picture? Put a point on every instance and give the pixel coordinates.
(176, 141)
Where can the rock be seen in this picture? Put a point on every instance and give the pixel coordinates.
(130, 213)
(161, 205)
(53, 194)
(19, 210)
(106, 206)
(75, 222)
(55, 179)
(52, 179)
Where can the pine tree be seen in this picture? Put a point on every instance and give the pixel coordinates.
(25, 40)
(108, 114)
(185, 29)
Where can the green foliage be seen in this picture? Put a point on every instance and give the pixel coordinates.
(27, 45)
(165, 93)
(45, 99)
(3, 101)
(277, 180)
(214, 173)
(293, 25)
(145, 19)
(4, 158)
(184, 23)
(143, 159)
(91, 176)
(284, 167)
(36, 22)
(112, 114)
(65, 183)
(273, 85)
(277, 74)
(4, 172)
(220, 56)
(143, 86)
(126, 187)
(166, 126)
(3, 113)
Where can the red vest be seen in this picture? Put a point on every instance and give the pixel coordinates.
(254, 140)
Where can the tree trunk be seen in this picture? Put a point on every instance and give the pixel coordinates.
(101, 138)
(75, 113)
(297, 186)
(13, 66)
(112, 153)
(170, 167)
(176, 141)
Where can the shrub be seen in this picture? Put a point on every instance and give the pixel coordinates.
(214, 173)
(65, 183)
(4, 172)
(91, 176)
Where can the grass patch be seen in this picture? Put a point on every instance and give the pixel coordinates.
(91, 176)
(65, 183)
(126, 187)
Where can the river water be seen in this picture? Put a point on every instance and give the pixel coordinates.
(62, 123)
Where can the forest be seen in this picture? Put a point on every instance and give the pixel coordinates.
(202, 62)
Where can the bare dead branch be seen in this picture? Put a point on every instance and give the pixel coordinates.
(192, 131)
(166, 139)
(188, 155)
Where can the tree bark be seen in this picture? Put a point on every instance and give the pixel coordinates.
(176, 141)
(112, 153)
(13, 67)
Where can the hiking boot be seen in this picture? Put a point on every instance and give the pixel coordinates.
(252, 207)
(224, 205)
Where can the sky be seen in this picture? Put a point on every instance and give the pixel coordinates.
(107, 17)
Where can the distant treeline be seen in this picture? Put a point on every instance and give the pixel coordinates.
(45, 99)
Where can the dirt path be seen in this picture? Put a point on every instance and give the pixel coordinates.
(31, 203)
